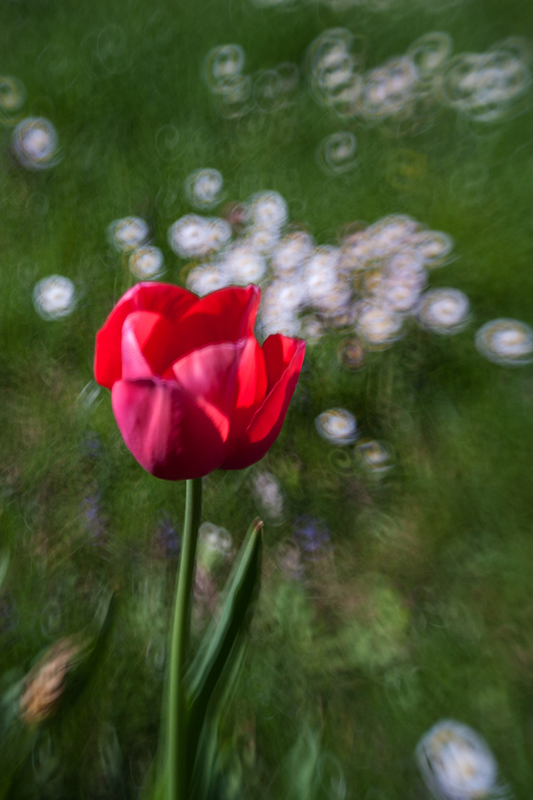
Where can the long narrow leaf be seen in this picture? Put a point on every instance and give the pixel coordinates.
(203, 674)
(204, 780)
(208, 774)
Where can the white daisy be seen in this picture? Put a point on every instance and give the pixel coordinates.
(378, 326)
(371, 281)
(205, 279)
(291, 252)
(444, 310)
(400, 296)
(204, 187)
(285, 296)
(193, 236)
(456, 763)
(389, 89)
(389, 234)
(321, 274)
(243, 266)
(34, 142)
(434, 247)
(129, 233)
(506, 342)
(407, 260)
(219, 233)
(146, 263)
(275, 320)
(262, 240)
(354, 252)
(430, 52)
(223, 63)
(336, 305)
(337, 426)
(268, 210)
(374, 456)
(54, 297)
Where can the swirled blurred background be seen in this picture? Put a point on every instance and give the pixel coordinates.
(369, 164)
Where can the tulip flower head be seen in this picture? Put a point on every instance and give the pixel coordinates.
(191, 388)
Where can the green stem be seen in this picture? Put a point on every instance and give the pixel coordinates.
(177, 724)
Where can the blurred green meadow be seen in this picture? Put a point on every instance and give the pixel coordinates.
(419, 606)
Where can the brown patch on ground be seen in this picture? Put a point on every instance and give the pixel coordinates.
(45, 682)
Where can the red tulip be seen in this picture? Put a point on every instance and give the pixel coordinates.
(192, 391)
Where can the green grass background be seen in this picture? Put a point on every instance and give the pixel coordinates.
(425, 608)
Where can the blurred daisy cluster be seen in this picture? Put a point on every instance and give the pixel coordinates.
(338, 426)
(370, 283)
(485, 87)
(236, 93)
(369, 286)
(130, 235)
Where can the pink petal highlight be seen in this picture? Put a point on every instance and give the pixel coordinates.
(208, 375)
(164, 429)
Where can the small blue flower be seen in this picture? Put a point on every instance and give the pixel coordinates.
(312, 535)
(91, 517)
(166, 538)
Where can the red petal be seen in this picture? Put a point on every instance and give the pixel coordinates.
(151, 333)
(170, 301)
(209, 376)
(251, 387)
(251, 376)
(267, 421)
(223, 316)
(278, 351)
(164, 429)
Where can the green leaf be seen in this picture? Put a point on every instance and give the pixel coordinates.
(209, 776)
(222, 636)
(206, 777)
